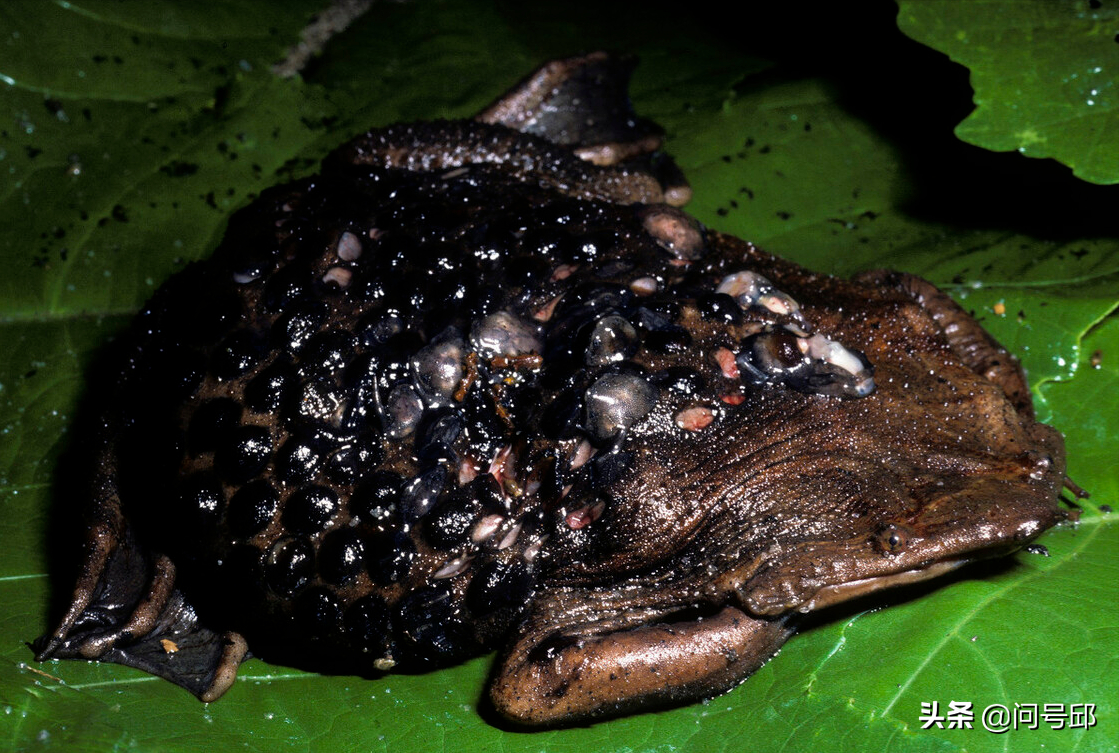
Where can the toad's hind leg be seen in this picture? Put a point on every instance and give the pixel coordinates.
(583, 103)
(551, 678)
(126, 609)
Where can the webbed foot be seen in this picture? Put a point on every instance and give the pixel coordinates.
(127, 610)
(583, 103)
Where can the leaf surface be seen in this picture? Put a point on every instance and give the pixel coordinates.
(1046, 75)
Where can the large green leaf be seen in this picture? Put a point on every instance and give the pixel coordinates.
(1045, 74)
(796, 133)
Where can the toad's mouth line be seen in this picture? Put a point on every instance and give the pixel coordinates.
(830, 595)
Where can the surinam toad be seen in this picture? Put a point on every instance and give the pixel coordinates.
(482, 385)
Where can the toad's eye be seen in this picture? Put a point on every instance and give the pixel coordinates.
(892, 539)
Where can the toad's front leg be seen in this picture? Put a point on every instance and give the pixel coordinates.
(554, 677)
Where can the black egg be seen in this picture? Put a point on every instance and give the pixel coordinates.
(447, 526)
(309, 509)
(394, 356)
(499, 585)
(296, 327)
(595, 244)
(288, 565)
(672, 339)
(318, 612)
(252, 508)
(287, 286)
(326, 353)
(486, 299)
(388, 556)
(523, 271)
(341, 556)
(682, 381)
(202, 499)
(437, 434)
(546, 244)
(611, 339)
(319, 401)
(299, 459)
(657, 315)
(612, 268)
(380, 327)
(428, 626)
(354, 460)
(592, 301)
(771, 355)
(484, 429)
(377, 499)
(360, 386)
(564, 414)
(243, 453)
(420, 493)
(367, 623)
(413, 293)
(268, 390)
(719, 307)
(427, 221)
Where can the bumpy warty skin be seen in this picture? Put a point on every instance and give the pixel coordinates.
(463, 391)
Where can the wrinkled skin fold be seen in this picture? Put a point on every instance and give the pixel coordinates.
(483, 385)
